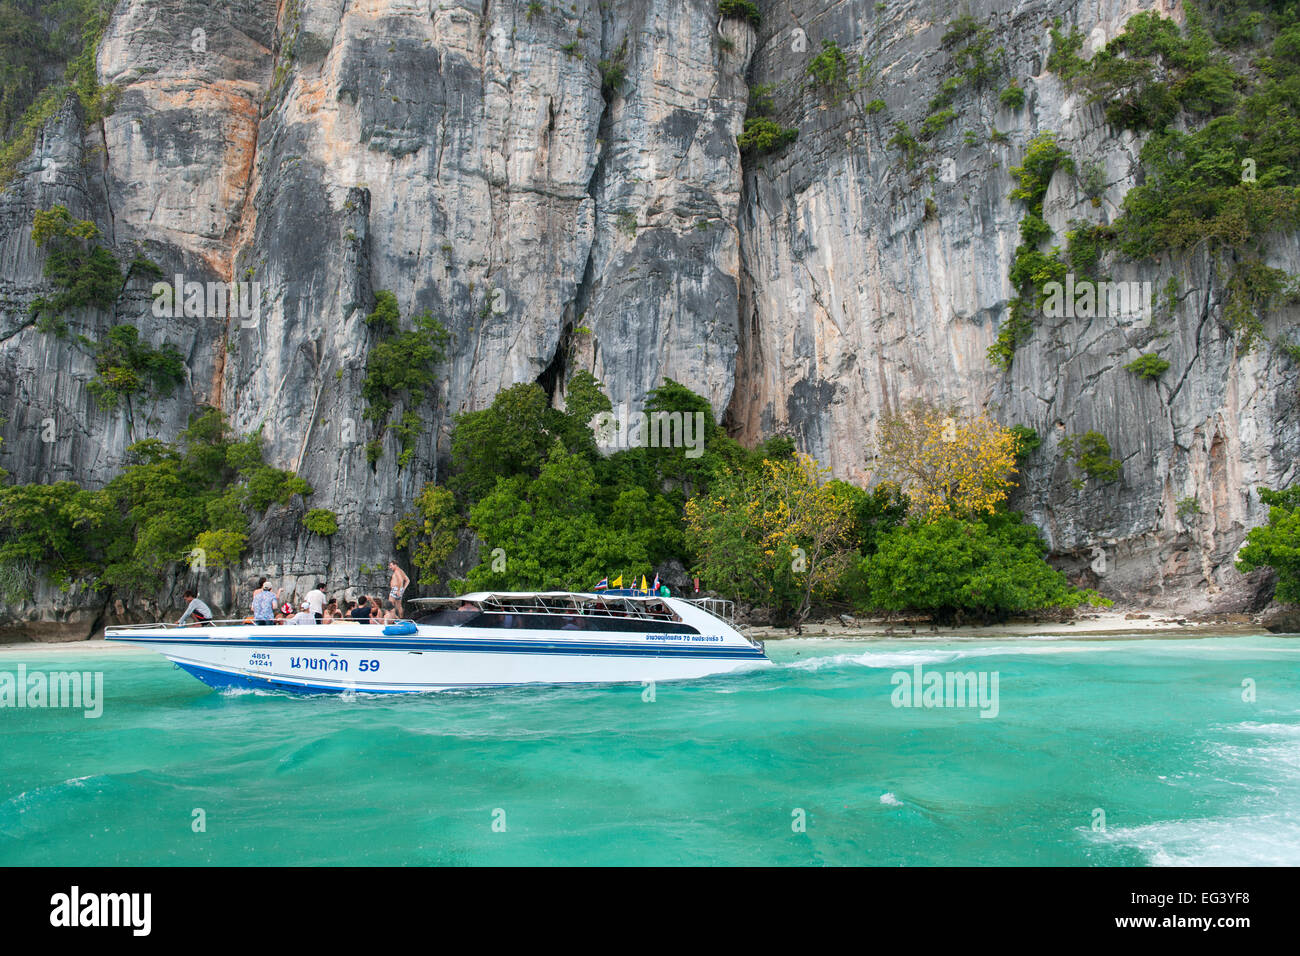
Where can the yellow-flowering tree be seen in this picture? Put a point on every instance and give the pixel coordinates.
(780, 534)
(949, 464)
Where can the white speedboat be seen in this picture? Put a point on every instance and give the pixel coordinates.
(475, 640)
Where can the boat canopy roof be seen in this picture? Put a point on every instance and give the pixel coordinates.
(646, 606)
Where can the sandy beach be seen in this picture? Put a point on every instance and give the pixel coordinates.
(1099, 624)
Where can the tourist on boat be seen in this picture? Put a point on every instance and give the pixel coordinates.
(264, 603)
(316, 598)
(467, 606)
(201, 613)
(397, 586)
(331, 613)
(362, 610)
(304, 615)
(390, 616)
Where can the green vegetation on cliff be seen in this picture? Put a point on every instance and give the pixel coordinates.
(1217, 99)
(190, 502)
(47, 51)
(1277, 544)
(399, 368)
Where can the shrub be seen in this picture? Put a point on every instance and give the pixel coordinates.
(127, 367)
(1090, 452)
(1013, 96)
(829, 70)
(321, 521)
(908, 145)
(84, 273)
(935, 122)
(1031, 268)
(761, 135)
(1150, 366)
(740, 10)
(1027, 442)
(613, 73)
(949, 567)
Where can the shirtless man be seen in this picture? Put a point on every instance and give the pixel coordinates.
(397, 586)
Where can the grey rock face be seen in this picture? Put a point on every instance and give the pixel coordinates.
(464, 156)
(855, 301)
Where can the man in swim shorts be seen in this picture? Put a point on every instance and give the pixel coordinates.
(397, 586)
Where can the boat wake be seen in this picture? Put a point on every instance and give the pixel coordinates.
(909, 658)
(1264, 828)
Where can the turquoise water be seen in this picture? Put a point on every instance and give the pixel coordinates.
(1154, 733)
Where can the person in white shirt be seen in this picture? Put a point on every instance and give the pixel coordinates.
(316, 599)
(304, 616)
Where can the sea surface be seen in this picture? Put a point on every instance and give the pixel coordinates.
(1107, 752)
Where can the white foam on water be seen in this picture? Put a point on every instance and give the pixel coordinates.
(1268, 769)
(909, 658)
(1267, 839)
(22, 801)
(889, 800)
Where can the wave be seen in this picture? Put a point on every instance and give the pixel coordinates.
(1266, 839)
(909, 658)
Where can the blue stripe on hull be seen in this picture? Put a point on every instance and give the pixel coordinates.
(220, 679)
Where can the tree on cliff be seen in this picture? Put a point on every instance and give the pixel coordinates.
(1277, 544)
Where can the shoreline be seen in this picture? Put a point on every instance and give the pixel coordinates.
(1100, 624)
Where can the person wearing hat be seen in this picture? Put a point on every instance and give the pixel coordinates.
(304, 615)
(264, 601)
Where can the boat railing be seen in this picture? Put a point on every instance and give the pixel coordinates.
(239, 621)
(720, 608)
(173, 625)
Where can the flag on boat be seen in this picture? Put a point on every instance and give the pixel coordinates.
(655, 586)
(644, 586)
(602, 584)
(618, 582)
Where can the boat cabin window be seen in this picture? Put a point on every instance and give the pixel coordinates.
(499, 619)
(449, 617)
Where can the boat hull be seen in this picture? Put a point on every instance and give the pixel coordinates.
(317, 661)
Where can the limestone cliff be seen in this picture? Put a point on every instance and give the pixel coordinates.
(562, 184)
